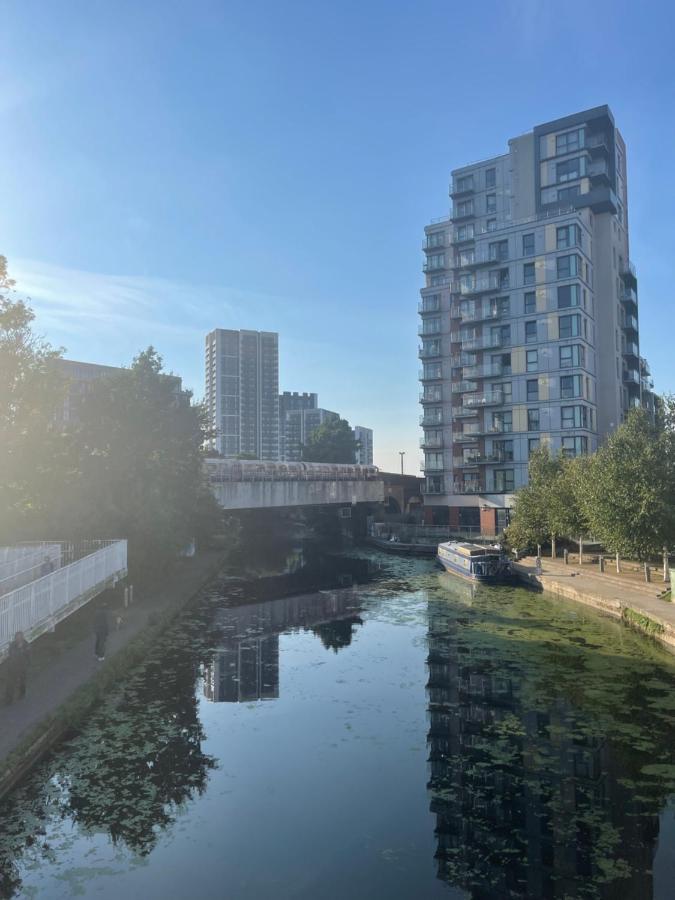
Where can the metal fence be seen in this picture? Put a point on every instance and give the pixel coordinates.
(426, 534)
(38, 606)
(26, 562)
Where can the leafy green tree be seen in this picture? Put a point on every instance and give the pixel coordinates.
(547, 508)
(331, 442)
(628, 489)
(139, 464)
(31, 443)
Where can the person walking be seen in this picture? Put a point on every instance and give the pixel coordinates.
(101, 631)
(18, 658)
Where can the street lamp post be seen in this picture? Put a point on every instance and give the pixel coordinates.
(401, 453)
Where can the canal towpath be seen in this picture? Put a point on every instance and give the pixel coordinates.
(59, 679)
(624, 596)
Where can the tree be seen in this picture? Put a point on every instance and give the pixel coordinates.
(548, 506)
(30, 440)
(331, 442)
(139, 464)
(628, 490)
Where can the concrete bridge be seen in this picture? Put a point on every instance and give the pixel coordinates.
(253, 484)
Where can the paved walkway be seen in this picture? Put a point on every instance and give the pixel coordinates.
(607, 591)
(57, 680)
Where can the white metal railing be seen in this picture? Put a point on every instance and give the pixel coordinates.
(26, 562)
(38, 606)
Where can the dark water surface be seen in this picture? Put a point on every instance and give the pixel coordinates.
(404, 738)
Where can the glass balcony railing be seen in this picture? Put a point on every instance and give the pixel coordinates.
(426, 306)
(485, 371)
(461, 387)
(431, 350)
(431, 396)
(429, 443)
(631, 376)
(459, 412)
(493, 398)
(430, 420)
(631, 349)
(630, 323)
(479, 314)
(468, 487)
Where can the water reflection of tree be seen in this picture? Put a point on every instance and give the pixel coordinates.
(338, 634)
(137, 761)
(549, 758)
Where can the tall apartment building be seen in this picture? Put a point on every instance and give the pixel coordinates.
(529, 315)
(242, 392)
(364, 454)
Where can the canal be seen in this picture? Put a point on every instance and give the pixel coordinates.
(402, 735)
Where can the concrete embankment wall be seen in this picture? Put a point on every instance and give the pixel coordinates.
(640, 607)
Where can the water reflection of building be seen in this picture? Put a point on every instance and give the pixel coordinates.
(527, 803)
(245, 666)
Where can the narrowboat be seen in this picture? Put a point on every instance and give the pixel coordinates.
(484, 565)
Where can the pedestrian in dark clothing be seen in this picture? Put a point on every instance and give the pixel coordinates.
(17, 668)
(101, 631)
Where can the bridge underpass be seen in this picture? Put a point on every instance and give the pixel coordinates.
(248, 484)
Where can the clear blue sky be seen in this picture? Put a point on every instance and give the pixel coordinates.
(172, 167)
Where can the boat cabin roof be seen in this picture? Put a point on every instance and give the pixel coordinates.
(466, 549)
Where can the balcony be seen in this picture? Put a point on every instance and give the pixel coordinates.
(630, 323)
(432, 265)
(431, 351)
(468, 487)
(463, 437)
(429, 421)
(493, 398)
(484, 342)
(631, 377)
(461, 387)
(629, 295)
(424, 331)
(431, 396)
(480, 314)
(481, 286)
(435, 374)
(465, 462)
(631, 349)
(469, 259)
(496, 370)
(628, 273)
(426, 306)
(429, 443)
(598, 172)
(427, 466)
(433, 488)
(463, 412)
(597, 144)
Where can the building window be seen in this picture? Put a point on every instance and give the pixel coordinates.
(464, 183)
(490, 178)
(572, 355)
(431, 303)
(501, 364)
(436, 239)
(533, 420)
(532, 360)
(570, 386)
(530, 304)
(574, 417)
(532, 390)
(568, 295)
(569, 193)
(503, 450)
(502, 305)
(502, 421)
(500, 335)
(464, 208)
(506, 389)
(503, 480)
(530, 332)
(491, 224)
(575, 446)
(569, 169)
(435, 261)
(568, 142)
(528, 245)
(432, 371)
(568, 236)
(569, 326)
(532, 446)
(431, 326)
(490, 203)
(464, 233)
(499, 250)
(568, 266)
(528, 273)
